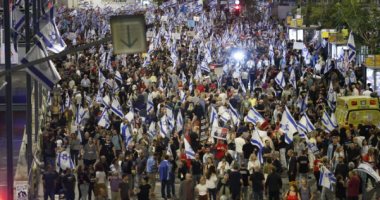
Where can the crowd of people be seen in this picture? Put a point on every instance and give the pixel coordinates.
(190, 111)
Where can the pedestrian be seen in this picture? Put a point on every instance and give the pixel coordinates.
(187, 188)
(201, 189)
(305, 190)
(353, 186)
(144, 189)
(68, 183)
(164, 171)
(83, 182)
(151, 170)
(124, 188)
(224, 188)
(50, 178)
(293, 193)
(101, 178)
(235, 181)
(211, 182)
(257, 182)
(292, 166)
(115, 181)
(273, 185)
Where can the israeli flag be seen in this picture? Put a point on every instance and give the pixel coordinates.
(190, 154)
(104, 120)
(351, 47)
(170, 118)
(64, 161)
(225, 117)
(292, 79)
(256, 141)
(152, 129)
(182, 96)
(164, 129)
(305, 125)
(126, 134)
(116, 108)
(118, 76)
(213, 116)
(79, 115)
(302, 103)
(326, 178)
(179, 122)
(280, 80)
(368, 169)
(254, 117)
(288, 125)
(271, 54)
(235, 116)
(50, 35)
(242, 86)
(149, 104)
(331, 97)
(45, 72)
(106, 101)
(329, 122)
(204, 67)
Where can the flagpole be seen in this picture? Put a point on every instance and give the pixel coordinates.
(28, 90)
(8, 97)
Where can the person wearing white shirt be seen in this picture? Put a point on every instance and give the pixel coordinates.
(223, 167)
(211, 182)
(239, 143)
(202, 189)
(367, 92)
(85, 83)
(253, 163)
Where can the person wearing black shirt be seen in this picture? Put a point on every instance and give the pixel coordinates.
(196, 168)
(68, 182)
(245, 177)
(258, 180)
(303, 164)
(341, 169)
(50, 178)
(267, 151)
(248, 149)
(260, 107)
(235, 180)
(292, 166)
(273, 184)
(144, 188)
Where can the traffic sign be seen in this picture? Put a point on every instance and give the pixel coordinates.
(128, 34)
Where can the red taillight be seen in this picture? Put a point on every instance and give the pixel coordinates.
(372, 102)
(354, 103)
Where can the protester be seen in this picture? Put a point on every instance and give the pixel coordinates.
(189, 101)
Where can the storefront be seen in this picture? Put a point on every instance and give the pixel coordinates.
(372, 62)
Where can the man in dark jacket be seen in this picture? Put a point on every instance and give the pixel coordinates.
(186, 188)
(292, 166)
(273, 185)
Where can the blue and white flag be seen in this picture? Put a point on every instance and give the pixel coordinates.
(280, 80)
(152, 129)
(104, 120)
(149, 104)
(126, 133)
(256, 141)
(292, 79)
(305, 125)
(64, 161)
(254, 117)
(242, 86)
(106, 102)
(118, 76)
(288, 125)
(164, 129)
(331, 97)
(225, 116)
(116, 108)
(50, 35)
(368, 169)
(302, 103)
(351, 48)
(79, 115)
(204, 67)
(190, 154)
(329, 122)
(213, 116)
(182, 96)
(170, 118)
(179, 122)
(235, 116)
(45, 72)
(326, 178)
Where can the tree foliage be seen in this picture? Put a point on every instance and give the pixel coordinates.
(362, 19)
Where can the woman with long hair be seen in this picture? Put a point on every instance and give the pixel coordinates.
(201, 189)
(293, 193)
(211, 182)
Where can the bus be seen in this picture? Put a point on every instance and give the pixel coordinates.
(357, 110)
